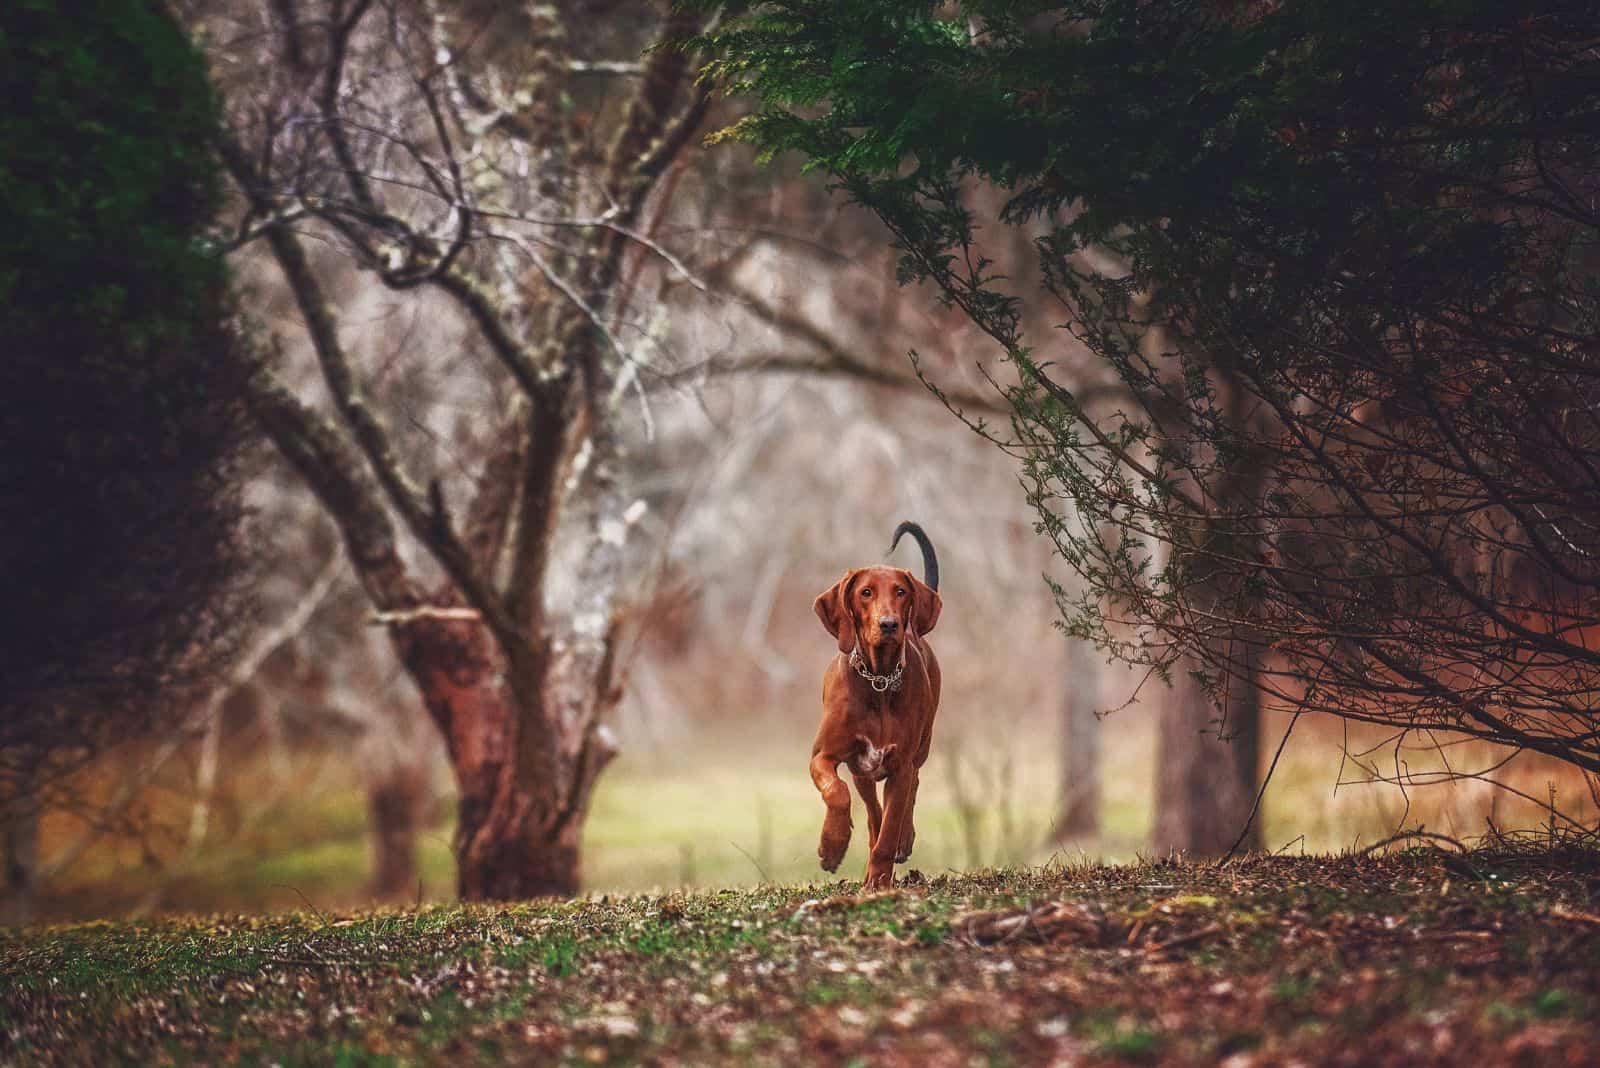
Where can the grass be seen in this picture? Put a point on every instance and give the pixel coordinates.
(739, 810)
(1409, 959)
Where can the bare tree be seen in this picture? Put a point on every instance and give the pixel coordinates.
(463, 152)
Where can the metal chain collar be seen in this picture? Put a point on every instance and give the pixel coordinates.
(879, 683)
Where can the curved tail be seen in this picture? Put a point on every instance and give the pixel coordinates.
(930, 562)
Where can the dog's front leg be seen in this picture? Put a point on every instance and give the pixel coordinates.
(897, 794)
(908, 832)
(836, 824)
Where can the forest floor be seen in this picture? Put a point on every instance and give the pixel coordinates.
(1423, 956)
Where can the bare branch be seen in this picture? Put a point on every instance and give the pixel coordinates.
(427, 611)
(334, 470)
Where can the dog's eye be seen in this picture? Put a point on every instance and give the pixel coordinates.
(898, 592)
(866, 594)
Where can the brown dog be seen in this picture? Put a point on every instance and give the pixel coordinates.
(879, 697)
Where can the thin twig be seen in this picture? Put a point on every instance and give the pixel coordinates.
(1418, 833)
(763, 871)
(1265, 782)
(1185, 940)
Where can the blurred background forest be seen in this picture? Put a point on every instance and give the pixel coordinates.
(449, 173)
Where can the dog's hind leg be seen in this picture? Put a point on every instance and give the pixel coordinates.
(867, 787)
(908, 833)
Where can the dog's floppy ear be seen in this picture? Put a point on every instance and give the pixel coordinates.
(926, 604)
(833, 608)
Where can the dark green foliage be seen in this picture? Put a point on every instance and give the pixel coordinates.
(119, 418)
(1340, 257)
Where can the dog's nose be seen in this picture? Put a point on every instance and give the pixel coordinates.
(888, 626)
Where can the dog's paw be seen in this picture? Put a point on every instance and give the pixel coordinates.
(882, 880)
(831, 851)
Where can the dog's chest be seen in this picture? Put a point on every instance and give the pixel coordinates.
(870, 760)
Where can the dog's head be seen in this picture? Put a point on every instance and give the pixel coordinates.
(877, 607)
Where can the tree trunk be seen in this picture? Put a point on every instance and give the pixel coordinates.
(1244, 738)
(19, 829)
(512, 862)
(1205, 756)
(397, 808)
(518, 703)
(1205, 784)
(1079, 812)
(518, 828)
